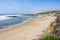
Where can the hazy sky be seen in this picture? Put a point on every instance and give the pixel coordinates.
(28, 6)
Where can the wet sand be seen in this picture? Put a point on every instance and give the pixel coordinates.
(27, 31)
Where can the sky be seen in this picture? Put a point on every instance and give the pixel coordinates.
(28, 6)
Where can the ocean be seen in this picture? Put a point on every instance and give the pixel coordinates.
(7, 20)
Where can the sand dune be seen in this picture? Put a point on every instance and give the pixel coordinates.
(27, 31)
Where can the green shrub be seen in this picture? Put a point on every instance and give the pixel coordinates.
(50, 37)
(59, 38)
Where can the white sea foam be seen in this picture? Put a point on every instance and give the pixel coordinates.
(14, 15)
(4, 17)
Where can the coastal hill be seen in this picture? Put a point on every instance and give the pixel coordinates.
(56, 11)
(48, 13)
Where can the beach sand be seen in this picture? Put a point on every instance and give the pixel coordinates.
(30, 30)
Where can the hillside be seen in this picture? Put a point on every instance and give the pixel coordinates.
(56, 11)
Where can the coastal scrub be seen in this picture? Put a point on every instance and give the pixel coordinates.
(50, 37)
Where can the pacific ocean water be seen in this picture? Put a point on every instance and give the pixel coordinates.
(7, 21)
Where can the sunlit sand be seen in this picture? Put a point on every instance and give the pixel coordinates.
(27, 31)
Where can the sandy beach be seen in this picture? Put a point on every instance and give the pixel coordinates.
(27, 31)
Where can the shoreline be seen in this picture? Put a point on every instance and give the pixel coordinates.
(12, 26)
(28, 31)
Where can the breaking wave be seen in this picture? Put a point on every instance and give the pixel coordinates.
(4, 17)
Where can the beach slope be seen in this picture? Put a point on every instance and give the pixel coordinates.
(27, 31)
